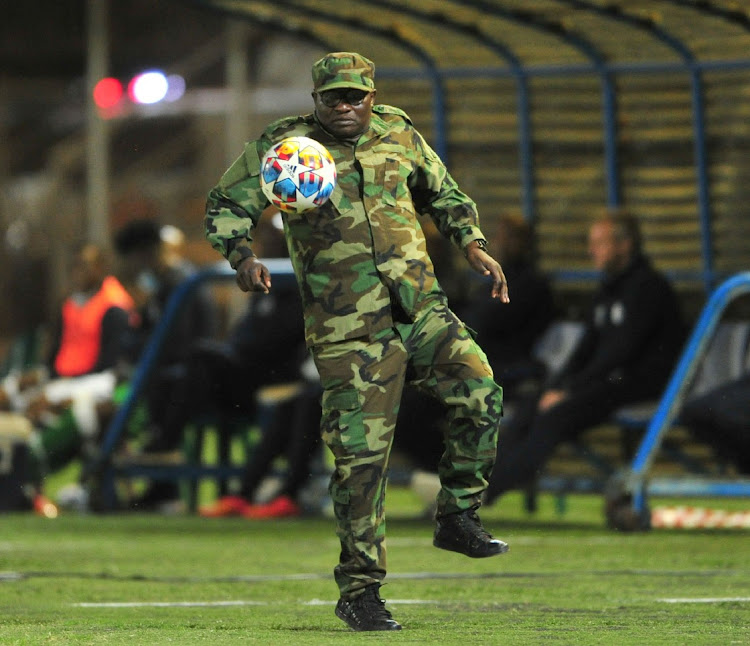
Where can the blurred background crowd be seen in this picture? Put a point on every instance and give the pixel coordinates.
(116, 118)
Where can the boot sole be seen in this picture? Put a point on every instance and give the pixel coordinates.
(501, 549)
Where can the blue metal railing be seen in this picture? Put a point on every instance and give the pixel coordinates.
(598, 64)
(280, 268)
(706, 273)
(634, 481)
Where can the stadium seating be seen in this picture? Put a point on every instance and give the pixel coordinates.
(113, 465)
(587, 463)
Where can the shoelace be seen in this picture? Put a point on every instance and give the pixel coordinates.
(371, 599)
(479, 531)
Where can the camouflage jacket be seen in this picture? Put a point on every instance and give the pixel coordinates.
(364, 250)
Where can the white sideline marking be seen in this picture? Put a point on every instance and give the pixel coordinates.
(220, 604)
(168, 604)
(325, 602)
(259, 578)
(393, 602)
(705, 600)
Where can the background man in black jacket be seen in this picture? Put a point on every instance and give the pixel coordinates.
(632, 338)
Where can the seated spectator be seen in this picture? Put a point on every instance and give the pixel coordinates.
(633, 335)
(94, 320)
(62, 399)
(151, 272)
(265, 346)
(721, 419)
(508, 331)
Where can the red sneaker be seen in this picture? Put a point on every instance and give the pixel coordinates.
(43, 506)
(281, 507)
(226, 506)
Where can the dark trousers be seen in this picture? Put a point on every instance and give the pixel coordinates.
(294, 432)
(528, 439)
(362, 382)
(212, 379)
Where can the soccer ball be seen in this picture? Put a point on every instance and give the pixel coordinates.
(298, 174)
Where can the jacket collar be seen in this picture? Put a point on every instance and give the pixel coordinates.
(637, 261)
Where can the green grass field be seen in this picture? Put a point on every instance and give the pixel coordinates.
(149, 579)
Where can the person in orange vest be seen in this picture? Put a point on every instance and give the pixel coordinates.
(61, 401)
(94, 320)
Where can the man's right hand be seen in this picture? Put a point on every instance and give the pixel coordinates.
(253, 276)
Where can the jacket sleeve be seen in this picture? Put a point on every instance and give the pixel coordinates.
(437, 194)
(234, 206)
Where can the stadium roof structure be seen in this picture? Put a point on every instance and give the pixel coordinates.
(573, 104)
(455, 33)
(604, 42)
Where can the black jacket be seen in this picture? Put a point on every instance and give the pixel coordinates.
(634, 333)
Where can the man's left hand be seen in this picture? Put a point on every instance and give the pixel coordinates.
(481, 262)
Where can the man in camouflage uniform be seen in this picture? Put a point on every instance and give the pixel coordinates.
(375, 315)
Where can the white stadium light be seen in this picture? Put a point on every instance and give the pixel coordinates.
(148, 87)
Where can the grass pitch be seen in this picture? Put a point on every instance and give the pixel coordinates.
(147, 579)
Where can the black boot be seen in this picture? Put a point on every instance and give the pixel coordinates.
(463, 532)
(367, 611)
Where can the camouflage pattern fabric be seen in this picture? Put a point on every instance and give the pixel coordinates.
(363, 380)
(343, 69)
(371, 304)
(366, 245)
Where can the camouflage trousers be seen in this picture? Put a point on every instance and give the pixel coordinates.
(362, 384)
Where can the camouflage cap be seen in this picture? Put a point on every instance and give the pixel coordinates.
(343, 69)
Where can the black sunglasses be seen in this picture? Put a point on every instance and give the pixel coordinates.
(352, 96)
